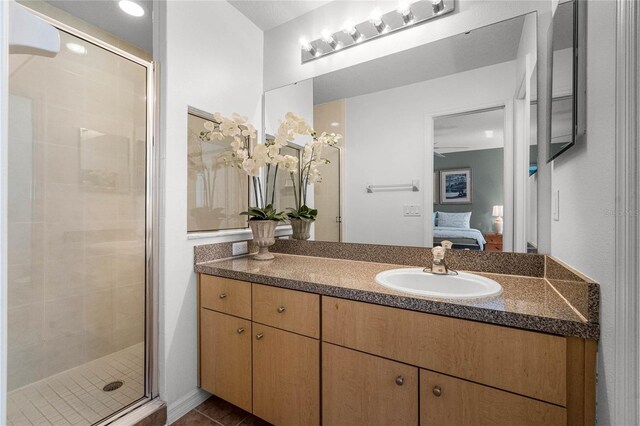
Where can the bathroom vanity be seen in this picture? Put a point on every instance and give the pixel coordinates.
(304, 340)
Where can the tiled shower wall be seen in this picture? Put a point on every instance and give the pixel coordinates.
(76, 209)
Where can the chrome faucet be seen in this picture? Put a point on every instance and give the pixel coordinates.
(439, 266)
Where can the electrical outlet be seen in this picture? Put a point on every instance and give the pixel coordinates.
(240, 248)
(556, 205)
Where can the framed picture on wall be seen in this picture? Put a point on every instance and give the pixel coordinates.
(455, 186)
(436, 187)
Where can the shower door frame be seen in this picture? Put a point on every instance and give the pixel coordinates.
(151, 215)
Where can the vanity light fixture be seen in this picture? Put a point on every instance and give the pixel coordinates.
(327, 37)
(131, 8)
(408, 14)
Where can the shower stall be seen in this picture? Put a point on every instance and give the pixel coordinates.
(79, 233)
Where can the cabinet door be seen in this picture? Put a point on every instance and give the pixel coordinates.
(362, 389)
(445, 400)
(286, 377)
(225, 357)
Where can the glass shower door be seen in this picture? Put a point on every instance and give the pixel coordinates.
(77, 234)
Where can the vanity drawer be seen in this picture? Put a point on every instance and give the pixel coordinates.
(224, 295)
(524, 362)
(289, 310)
(442, 396)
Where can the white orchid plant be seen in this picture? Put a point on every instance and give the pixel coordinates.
(262, 156)
(311, 160)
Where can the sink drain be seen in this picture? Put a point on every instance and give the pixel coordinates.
(109, 387)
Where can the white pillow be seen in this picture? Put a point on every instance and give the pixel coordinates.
(454, 220)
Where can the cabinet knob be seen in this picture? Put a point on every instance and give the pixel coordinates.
(281, 309)
(241, 330)
(399, 380)
(437, 391)
(223, 295)
(259, 336)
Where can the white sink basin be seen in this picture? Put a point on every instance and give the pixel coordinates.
(416, 281)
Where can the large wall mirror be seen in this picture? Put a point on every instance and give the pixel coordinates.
(568, 79)
(439, 142)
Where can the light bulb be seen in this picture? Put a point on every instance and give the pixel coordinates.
(353, 32)
(327, 36)
(304, 43)
(376, 19)
(404, 7)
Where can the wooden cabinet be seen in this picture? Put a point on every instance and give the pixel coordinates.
(494, 242)
(225, 357)
(362, 389)
(227, 296)
(271, 372)
(286, 377)
(445, 400)
(260, 350)
(287, 309)
(524, 362)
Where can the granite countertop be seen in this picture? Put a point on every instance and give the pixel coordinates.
(530, 303)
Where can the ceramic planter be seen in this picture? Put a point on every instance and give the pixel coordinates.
(301, 229)
(264, 237)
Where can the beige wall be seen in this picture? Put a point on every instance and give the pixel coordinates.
(76, 209)
(330, 118)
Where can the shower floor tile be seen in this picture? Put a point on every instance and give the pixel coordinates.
(75, 397)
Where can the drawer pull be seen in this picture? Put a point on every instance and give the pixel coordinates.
(259, 336)
(241, 330)
(399, 380)
(437, 391)
(281, 309)
(223, 295)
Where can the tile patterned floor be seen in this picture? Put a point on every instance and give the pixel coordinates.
(75, 397)
(216, 412)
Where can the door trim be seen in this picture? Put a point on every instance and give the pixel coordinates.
(627, 218)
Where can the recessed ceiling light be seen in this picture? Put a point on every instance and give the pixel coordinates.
(131, 8)
(76, 48)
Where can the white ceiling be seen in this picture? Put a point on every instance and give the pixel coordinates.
(467, 132)
(107, 15)
(478, 48)
(267, 14)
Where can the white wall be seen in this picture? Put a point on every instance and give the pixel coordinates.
(210, 58)
(297, 98)
(584, 175)
(4, 99)
(387, 138)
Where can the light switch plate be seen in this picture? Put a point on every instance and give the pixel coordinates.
(412, 210)
(240, 248)
(556, 205)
